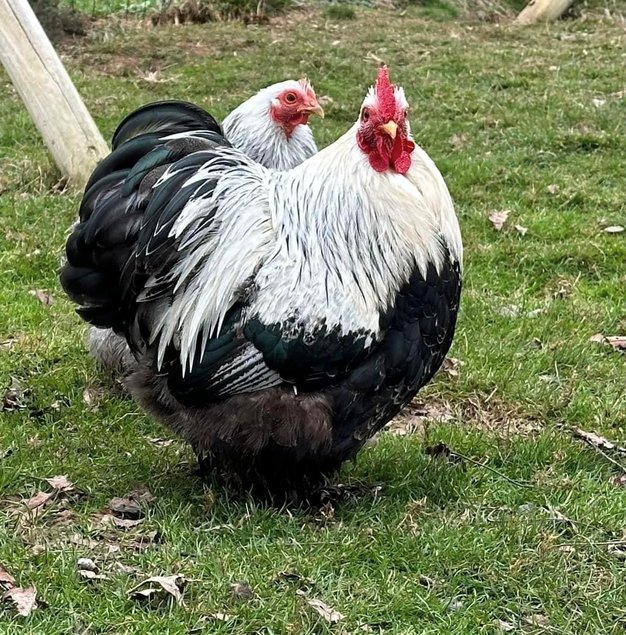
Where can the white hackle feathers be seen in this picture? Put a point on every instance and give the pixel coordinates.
(329, 242)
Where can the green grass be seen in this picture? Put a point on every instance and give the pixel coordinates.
(443, 547)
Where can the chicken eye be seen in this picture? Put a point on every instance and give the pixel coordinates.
(290, 98)
(365, 115)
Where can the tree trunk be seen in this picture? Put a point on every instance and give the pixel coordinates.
(47, 91)
(543, 11)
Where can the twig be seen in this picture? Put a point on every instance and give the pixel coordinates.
(600, 444)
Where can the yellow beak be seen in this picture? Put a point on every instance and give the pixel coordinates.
(313, 109)
(390, 128)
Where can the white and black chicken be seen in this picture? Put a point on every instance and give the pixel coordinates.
(278, 319)
(270, 127)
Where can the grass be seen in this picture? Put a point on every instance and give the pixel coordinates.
(444, 546)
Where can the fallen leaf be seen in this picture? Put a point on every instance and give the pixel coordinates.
(241, 591)
(614, 229)
(25, 600)
(125, 508)
(451, 366)
(124, 568)
(44, 297)
(143, 541)
(86, 574)
(498, 219)
(60, 483)
(505, 627)
(321, 608)
(553, 189)
(170, 584)
(141, 494)
(92, 395)
(7, 581)
(537, 620)
(122, 523)
(14, 396)
(162, 443)
(36, 502)
(325, 100)
(598, 102)
(222, 617)
(618, 342)
(520, 229)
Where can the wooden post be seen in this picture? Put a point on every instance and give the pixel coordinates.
(47, 91)
(543, 11)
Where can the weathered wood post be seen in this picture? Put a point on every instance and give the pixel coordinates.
(543, 11)
(47, 91)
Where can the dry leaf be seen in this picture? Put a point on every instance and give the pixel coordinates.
(143, 541)
(162, 443)
(614, 229)
(451, 366)
(170, 584)
(521, 230)
(61, 483)
(553, 189)
(7, 581)
(25, 600)
(537, 620)
(241, 591)
(505, 627)
(498, 219)
(43, 296)
(125, 507)
(325, 611)
(124, 568)
(14, 396)
(618, 342)
(86, 574)
(36, 502)
(222, 617)
(141, 494)
(122, 523)
(91, 396)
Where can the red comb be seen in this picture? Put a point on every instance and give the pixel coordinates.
(385, 97)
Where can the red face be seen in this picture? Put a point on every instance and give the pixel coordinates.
(383, 132)
(292, 107)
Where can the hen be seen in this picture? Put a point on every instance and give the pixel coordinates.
(270, 127)
(278, 319)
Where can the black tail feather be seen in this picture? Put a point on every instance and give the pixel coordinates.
(98, 274)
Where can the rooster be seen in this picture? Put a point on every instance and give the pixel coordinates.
(278, 319)
(270, 127)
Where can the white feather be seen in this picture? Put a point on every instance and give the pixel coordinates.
(329, 242)
(251, 128)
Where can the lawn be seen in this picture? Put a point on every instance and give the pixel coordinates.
(479, 512)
